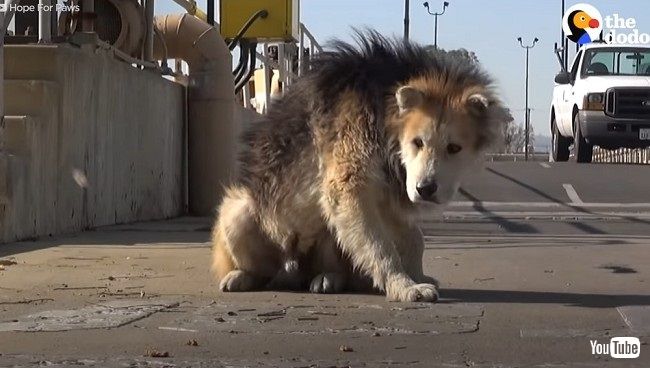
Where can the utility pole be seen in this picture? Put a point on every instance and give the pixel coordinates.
(527, 110)
(435, 26)
(407, 19)
(564, 43)
(210, 11)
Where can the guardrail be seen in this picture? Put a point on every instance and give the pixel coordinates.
(516, 157)
(622, 155)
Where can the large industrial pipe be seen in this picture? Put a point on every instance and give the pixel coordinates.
(212, 132)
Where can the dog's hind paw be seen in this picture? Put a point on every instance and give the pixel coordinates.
(238, 280)
(327, 283)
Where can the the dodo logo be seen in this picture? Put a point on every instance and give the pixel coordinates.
(582, 23)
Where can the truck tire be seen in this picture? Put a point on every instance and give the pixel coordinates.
(583, 150)
(560, 149)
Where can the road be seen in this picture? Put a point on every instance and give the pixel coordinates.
(535, 260)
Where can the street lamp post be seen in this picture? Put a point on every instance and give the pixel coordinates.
(435, 27)
(406, 20)
(527, 109)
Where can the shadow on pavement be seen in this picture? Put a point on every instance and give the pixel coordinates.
(542, 297)
(163, 233)
(508, 225)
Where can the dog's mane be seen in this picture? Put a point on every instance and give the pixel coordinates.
(374, 65)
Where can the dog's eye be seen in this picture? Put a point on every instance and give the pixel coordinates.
(453, 148)
(418, 143)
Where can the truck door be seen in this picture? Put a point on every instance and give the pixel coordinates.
(564, 115)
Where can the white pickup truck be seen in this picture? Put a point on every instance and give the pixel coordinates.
(604, 100)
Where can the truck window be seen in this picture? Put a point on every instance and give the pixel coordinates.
(574, 67)
(616, 61)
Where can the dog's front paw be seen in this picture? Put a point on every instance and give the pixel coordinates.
(422, 293)
(327, 283)
(424, 279)
(414, 293)
(237, 280)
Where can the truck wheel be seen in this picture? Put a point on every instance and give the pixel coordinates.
(560, 149)
(583, 150)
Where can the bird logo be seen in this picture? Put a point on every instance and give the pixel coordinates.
(582, 23)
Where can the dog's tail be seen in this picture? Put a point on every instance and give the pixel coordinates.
(222, 261)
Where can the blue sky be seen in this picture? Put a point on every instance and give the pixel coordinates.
(489, 28)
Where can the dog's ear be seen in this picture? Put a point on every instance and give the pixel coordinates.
(478, 103)
(408, 98)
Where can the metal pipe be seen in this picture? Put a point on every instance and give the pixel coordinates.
(8, 15)
(282, 60)
(250, 71)
(268, 75)
(259, 14)
(312, 39)
(126, 57)
(4, 21)
(212, 131)
(244, 60)
(192, 9)
(148, 42)
(211, 12)
(301, 54)
(44, 21)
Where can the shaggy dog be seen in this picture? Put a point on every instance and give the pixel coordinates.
(335, 172)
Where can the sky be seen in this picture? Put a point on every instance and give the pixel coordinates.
(489, 28)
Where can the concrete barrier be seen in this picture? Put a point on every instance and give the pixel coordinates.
(89, 141)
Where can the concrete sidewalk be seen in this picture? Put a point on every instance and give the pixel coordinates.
(141, 295)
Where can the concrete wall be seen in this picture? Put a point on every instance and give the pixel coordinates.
(88, 141)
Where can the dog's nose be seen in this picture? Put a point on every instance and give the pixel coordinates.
(427, 189)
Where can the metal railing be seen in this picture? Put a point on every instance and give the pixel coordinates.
(622, 155)
(314, 46)
(292, 61)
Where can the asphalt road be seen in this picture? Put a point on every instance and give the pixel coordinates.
(535, 262)
(547, 181)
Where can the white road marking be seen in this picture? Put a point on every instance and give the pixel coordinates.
(545, 165)
(551, 215)
(573, 195)
(547, 204)
(636, 317)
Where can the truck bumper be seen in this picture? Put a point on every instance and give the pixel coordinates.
(607, 132)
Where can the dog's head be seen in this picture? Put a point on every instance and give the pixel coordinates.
(442, 136)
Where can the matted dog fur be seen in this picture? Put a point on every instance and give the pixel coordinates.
(333, 174)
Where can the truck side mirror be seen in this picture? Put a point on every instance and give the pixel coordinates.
(562, 78)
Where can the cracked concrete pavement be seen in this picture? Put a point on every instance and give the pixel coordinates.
(141, 295)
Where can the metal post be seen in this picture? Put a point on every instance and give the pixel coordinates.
(301, 54)
(527, 111)
(435, 25)
(211, 12)
(5, 18)
(44, 21)
(2, 65)
(246, 95)
(407, 20)
(148, 44)
(435, 32)
(562, 29)
(268, 76)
